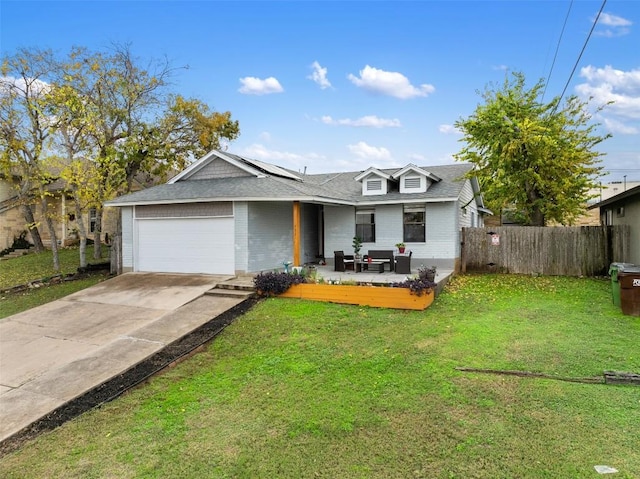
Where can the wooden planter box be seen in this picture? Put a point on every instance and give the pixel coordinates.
(376, 296)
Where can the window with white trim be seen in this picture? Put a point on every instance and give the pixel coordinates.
(366, 225)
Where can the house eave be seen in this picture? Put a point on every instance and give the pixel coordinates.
(614, 199)
(302, 199)
(402, 201)
(206, 159)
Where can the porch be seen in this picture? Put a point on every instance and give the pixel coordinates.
(327, 273)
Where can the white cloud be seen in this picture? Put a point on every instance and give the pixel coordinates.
(257, 86)
(370, 121)
(617, 26)
(370, 153)
(319, 76)
(389, 83)
(607, 84)
(448, 130)
(615, 126)
(614, 20)
(35, 86)
(293, 161)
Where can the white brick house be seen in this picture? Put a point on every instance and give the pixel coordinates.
(227, 214)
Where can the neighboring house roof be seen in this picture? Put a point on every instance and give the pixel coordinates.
(265, 182)
(614, 199)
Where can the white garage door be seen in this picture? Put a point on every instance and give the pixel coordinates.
(185, 245)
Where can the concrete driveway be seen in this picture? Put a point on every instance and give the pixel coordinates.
(52, 354)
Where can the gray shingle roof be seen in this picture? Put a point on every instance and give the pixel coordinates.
(328, 187)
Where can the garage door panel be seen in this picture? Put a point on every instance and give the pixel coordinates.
(186, 245)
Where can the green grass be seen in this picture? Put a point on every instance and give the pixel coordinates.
(17, 271)
(297, 389)
(32, 267)
(17, 302)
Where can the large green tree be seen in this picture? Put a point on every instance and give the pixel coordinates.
(535, 159)
(98, 120)
(25, 130)
(134, 123)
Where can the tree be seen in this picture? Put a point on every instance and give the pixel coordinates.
(135, 124)
(97, 120)
(532, 157)
(25, 129)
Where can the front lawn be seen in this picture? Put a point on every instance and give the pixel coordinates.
(35, 267)
(298, 389)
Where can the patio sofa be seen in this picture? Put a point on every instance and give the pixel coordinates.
(385, 255)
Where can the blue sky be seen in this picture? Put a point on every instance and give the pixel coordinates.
(332, 86)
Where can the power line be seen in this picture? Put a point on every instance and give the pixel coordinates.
(566, 18)
(580, 56)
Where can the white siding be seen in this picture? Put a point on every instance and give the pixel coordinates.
(270, 233)
(127, 238)
(339, 229)
(443, 236)
(470, 218)
(388, 227)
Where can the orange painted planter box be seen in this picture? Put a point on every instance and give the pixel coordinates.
(376, 296)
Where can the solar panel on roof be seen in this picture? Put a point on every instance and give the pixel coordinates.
(273, 169)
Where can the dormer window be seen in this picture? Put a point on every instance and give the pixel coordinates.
(412, 182)
(413, 179)
(374, 182)
(374, 185)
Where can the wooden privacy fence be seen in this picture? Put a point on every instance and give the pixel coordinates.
(566, 251)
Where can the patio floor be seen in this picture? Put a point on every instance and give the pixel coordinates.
(327, 273)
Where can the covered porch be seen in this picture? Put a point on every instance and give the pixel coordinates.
(327, 273)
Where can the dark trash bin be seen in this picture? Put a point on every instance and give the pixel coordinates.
(629, 280)
(614, 270)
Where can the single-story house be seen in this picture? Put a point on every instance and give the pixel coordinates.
(624, 209)
(228, 214)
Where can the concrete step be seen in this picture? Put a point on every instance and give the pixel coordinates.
(230, 293)
(239, 283)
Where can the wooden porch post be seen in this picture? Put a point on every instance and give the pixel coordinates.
(296, 233)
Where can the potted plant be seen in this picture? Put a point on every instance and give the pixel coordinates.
(357, 246)
(428, 274)
(401, 247)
